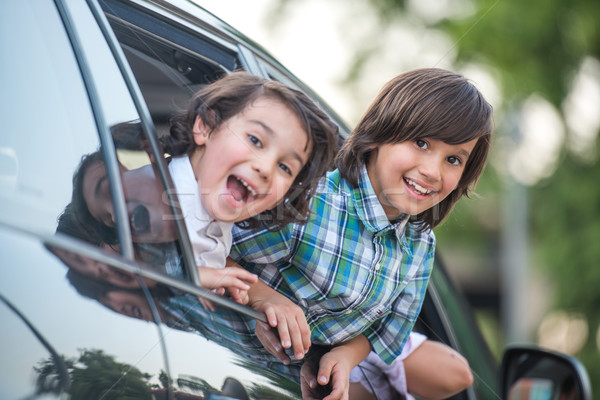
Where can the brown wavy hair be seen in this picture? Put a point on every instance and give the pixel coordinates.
(423, 103)
(232, 94)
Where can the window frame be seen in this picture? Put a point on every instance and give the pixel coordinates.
(150, 132)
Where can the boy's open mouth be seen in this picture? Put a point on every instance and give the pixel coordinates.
(239, 189)
(140, 220)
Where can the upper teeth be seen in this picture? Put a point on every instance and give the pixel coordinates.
(247, 186)
(418, 187)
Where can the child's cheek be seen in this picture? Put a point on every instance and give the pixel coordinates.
(279, 194)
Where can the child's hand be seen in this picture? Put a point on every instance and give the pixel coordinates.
(284, 315)
(228, 277)
(236, 281)
(271, 341)
(333, 374)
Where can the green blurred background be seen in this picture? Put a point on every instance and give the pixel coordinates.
(526, 249)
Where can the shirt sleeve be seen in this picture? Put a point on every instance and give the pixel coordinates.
(389, 334)
(252, 247)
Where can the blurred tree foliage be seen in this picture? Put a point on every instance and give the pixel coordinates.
(532, 47)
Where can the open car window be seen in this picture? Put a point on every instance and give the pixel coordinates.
(170, 63)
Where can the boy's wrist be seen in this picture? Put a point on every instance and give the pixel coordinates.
(353, 351)
(258, 293)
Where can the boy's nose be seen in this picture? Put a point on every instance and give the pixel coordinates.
(431, 169)
(263, 168)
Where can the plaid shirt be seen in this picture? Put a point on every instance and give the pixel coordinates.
(349, 268)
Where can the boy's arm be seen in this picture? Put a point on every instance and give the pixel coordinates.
(335, 367)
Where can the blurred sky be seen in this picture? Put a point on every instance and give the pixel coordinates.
(291, 43)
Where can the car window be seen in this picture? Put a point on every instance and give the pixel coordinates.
(151, 232)
(65, 323)
(170, 62)
(46, 116)
(212, 353)
(53, 167)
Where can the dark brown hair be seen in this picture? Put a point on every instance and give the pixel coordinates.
(231, 95)
(77, 215)
(419, 104)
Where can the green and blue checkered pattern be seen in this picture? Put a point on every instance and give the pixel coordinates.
(349, 267)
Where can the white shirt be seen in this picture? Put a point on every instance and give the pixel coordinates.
(210, 239)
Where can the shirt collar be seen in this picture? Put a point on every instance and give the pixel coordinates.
(370, 210)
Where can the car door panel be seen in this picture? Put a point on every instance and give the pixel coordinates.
(45, 313)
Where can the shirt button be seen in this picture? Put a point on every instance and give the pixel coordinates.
(377, 266)
(348, 312)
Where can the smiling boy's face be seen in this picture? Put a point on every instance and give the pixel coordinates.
(413, 176)
(248, 164)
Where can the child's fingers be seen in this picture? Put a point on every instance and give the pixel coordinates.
(284, 332)
(271, 316)
(212, 278)
(230, 281)
(241, 278)
(308, 382)
(299, 336)
(326, 365)
(271, 342)
(239, 296)
(242, 274)
(290, 335)
(304, 332)
(339, 388)
(294, 332)
(335, 377)
(207, 304)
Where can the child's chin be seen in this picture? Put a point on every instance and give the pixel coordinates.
(231, 215)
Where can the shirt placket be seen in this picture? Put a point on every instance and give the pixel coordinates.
(378, 263)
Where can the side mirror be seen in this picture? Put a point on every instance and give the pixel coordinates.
(529, 373)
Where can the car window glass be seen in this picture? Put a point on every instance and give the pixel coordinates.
(170, 62)
(47, 120)
(154, 238)
(52, 167)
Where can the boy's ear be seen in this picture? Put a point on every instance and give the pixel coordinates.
(200, 131)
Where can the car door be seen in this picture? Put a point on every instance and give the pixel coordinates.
(66, 317)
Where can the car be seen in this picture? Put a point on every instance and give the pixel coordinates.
(87, 312)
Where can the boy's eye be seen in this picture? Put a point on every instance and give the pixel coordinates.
(285, 169)
(255, 141)
(421, 144)
(454, 160)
